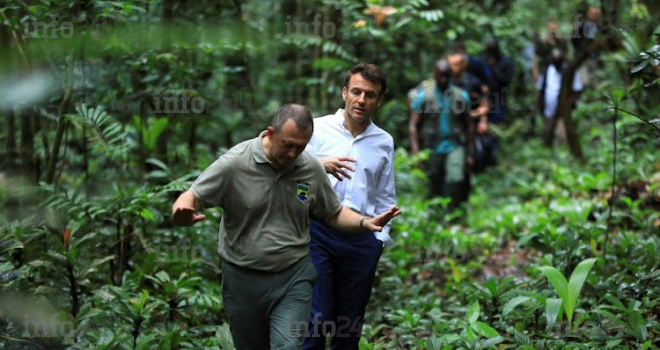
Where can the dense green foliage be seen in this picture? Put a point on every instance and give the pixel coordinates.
(553, 253)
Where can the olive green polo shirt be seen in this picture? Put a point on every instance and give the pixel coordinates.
(265, 220)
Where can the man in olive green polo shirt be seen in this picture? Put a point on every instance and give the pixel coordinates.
(268, 188)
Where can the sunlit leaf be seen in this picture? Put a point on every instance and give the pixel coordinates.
(552, 310)
(473, 313)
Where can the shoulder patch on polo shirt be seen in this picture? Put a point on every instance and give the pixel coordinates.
(302, 191)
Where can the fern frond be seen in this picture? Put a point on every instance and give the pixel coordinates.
(107, 136)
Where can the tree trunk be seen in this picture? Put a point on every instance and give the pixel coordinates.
(10, 120)
(298, 58)
(27, 145)
(565, 108)
(26, 151)
(330, 102)
(10, 142)
(244, 78)
(61, 121)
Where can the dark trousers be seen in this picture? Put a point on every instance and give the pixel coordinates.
(346, 266)
(268, 310)
(549, 129)
(447, 177)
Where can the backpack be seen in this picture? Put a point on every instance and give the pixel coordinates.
(430, 123)
(485, 147)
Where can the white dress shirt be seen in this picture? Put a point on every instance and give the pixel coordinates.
(371, 190)
(552, 88)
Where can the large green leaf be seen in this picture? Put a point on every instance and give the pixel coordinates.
(94, 264)
(511, 304)
(490, 343)
(575, 284)
(16, 244)
(617, 95)
(485, 330)
(151, 132)
(552, 310)
(637, 325)
(473, 313)
(614, 301)
(557, 280)
(432, 343)
(144, 342)
(568, 291)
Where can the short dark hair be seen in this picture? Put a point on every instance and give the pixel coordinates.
(299, 113)
(463, 55)
(370, 72)
(458, 47)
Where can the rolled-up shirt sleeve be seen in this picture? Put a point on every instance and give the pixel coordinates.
(209, 187)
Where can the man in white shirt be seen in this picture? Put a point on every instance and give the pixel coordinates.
(359, 158)
(549, 85)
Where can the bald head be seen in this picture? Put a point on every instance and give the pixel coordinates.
(442, 73)
(288, 135)
(298, 113)
(442, 65)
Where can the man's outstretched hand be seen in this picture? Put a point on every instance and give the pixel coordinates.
(335, 167)
(376, 223)
(184, 216)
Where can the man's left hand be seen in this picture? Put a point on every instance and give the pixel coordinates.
(376, 223)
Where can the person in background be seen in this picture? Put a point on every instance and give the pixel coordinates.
(542, 58)
(485, 144)
(499, 70)
(543, 49)
(475, 65)
(440, 121)
(476, 89)
(586, 34)
(549, 87)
